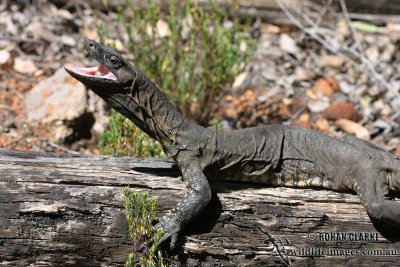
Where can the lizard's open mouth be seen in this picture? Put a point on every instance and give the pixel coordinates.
(101, 71)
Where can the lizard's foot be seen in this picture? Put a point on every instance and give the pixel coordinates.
(387, 211)
(171, 227)
(371, 190)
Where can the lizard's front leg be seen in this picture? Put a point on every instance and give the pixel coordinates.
(192, 205)
(371, 189)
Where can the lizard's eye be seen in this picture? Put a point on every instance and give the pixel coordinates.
(114, 61)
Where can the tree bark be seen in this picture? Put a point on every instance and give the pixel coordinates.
(68, 211)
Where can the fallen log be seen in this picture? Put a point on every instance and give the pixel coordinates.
(68, 211)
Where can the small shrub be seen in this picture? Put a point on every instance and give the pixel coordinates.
(123, 138)
(140, 212)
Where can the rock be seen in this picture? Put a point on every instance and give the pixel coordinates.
(239, 81)
(5, 57)
(295, 105)
(382, 107)
(322, 125)
(57, 98)
(397, 152)
(269, 28)
(327, 86)
(311, 94)
(395, 104)
(303, 74)
(382, 124)
(341, 110)
(346, 88)
(303, 124)
(231, 113)
(7, 119)
(97, 107)
(331, 61)
(20, 19)
(342, 29)
(40, 32)
(10, 27)
(317, 105)
(372, 53)
(62, 13)
(60, 133)
(25, 66)
(387, 53)
(393, 143)
(352, 127)
(249, 96)
(288, 44)
(68, 40)
(269, 74)
(303, 121)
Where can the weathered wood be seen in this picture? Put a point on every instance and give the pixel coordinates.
(68, 211)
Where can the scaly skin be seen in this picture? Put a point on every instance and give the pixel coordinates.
(273, 155)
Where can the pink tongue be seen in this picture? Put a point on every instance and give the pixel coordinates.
(87, 71)
(98, 71)
(102, 70)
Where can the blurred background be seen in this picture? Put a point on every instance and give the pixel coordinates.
(332, 66)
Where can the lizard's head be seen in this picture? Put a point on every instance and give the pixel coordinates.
(112, 76)
(114, 80)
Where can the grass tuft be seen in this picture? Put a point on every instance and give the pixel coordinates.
(140, 213)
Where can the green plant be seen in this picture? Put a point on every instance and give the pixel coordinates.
(216, 124)
(123, 138)
(190, 53)
(140, 213)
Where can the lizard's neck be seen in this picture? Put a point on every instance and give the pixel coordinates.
(153, 113)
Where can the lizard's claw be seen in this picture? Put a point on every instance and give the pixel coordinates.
(172, 244)
(171, 228)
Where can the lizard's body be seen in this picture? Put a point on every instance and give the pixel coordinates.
(284, 155)
(280, 155)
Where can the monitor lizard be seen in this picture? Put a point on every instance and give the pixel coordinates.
(279, 155)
